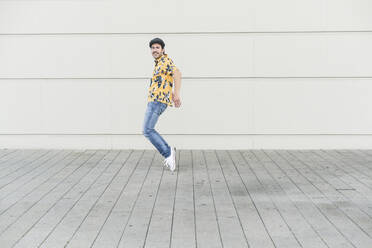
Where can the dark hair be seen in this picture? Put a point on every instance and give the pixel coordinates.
(157, 41)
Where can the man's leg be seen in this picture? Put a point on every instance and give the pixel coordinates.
(153, 111)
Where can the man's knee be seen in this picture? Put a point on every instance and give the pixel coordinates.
(146, 132)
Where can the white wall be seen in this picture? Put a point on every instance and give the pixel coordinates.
(256, 74)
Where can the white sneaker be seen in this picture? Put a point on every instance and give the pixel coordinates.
(170, 161)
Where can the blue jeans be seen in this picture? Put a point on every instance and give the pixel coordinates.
(153, 111)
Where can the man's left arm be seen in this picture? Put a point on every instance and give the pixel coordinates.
(177, 87)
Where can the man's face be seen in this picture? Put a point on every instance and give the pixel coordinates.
(156, 50)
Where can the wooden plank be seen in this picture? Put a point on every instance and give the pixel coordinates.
(344, 193)
(54, 187)
(33, 215)
(207, 228)
(4, 153)
(88, 230)
(355, 162)
(346, 173)
(37, 174)
(28, 168)
(354, 155)
(302, 230)
(135, 230)
(183, 222)
(8, 158)
(357, 159)
(112, 229)
(346, 226)
(9, 199)
(227, 215)
(17, 160)
(160, 226)
(61, 210)
(323, 184)
(249, 215)
(365, 152)
(354, 168)
(279, 231)
(85, 196)
(293, 184)
(367, 156)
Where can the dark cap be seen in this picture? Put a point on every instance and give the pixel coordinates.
(157, 41)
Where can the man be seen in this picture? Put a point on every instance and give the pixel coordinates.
(164, 90)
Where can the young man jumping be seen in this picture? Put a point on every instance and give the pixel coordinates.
(164, 90)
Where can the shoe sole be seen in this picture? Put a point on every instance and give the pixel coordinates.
(174, 160)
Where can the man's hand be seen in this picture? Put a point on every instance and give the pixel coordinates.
(176, 99)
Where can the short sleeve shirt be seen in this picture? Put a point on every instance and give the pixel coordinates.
(162, 81)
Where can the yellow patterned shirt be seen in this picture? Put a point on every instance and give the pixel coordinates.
(162, 81)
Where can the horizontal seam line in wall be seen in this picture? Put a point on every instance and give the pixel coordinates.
(113, 78)
(170, 33)
(133, 134)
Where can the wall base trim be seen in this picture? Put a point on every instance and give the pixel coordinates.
(187, 141)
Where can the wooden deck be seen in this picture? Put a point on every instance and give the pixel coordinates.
(216, 198)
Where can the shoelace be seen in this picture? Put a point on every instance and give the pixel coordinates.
(165, 163)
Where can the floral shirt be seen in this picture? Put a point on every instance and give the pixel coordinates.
(162, 81)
